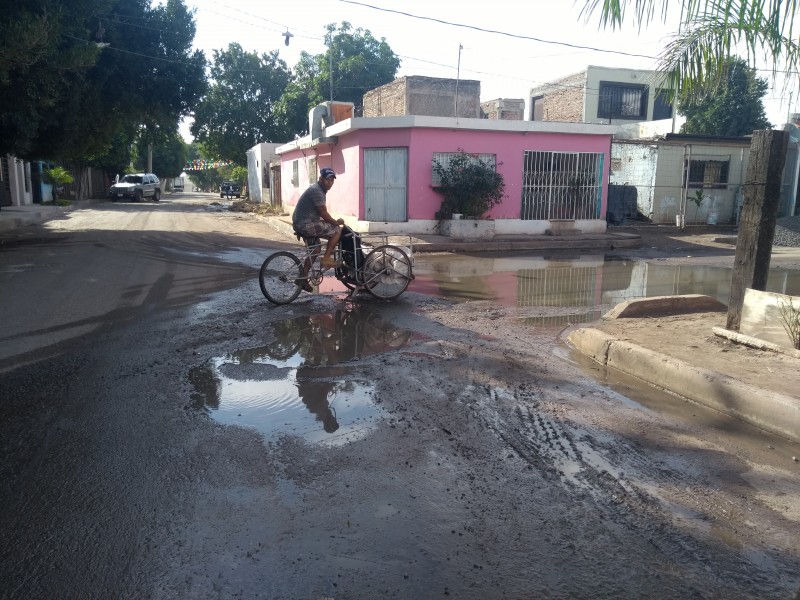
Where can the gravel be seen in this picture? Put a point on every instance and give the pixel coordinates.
(787, 232)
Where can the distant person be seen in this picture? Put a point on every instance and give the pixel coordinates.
(311, 219)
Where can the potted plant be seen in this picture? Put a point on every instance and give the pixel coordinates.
(469, 186)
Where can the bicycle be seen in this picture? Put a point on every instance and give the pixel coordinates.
(367, 263)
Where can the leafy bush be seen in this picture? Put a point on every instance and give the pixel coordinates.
(469, 185)
(57, 177)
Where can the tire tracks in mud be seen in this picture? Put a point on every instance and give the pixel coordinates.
(593, 470)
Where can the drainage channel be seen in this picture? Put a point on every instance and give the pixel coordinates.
(301, 384)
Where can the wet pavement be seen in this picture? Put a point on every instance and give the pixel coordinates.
(487, 464)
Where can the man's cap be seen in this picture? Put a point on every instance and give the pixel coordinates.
(327, 172)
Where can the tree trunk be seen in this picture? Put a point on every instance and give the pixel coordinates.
(757, 223)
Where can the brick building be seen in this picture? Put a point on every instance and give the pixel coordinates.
(504, 109)
(425, 96)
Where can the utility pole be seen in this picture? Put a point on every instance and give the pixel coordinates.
(458, 76)
(330, 78)
(757, 225)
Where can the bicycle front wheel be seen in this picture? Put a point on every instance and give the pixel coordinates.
(278, 277)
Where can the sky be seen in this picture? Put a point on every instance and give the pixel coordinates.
(510, 46)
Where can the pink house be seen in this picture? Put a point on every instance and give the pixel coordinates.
(555, 173)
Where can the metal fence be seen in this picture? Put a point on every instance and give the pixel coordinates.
(562, 185)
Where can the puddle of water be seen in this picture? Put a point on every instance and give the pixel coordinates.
(297, 385)
(574, 289)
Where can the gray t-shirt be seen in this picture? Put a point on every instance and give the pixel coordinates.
(306, 209)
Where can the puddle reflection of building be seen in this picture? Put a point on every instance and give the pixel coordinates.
(314, 393)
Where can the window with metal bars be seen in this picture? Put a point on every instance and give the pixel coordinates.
(707, 174)
(620, 101)
(295, 173)
(561, 185)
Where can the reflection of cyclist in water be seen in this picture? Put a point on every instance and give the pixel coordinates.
(314, 394)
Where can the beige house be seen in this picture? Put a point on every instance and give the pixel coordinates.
(602, 95)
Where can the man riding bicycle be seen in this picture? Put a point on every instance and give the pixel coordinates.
(311, 219)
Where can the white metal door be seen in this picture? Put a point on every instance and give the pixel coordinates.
(385, 184)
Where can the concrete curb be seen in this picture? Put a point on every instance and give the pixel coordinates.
(582, 242)
(773, 412)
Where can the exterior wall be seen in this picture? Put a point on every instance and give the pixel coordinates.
(504, 109)
(635, 165)
(563, 98)
(387, 100)
(258, 180)
(427, 96)
(594, 75)
(670, 195)
(508, 146)
(343, 199)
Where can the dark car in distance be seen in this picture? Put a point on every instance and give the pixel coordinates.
(230, 188)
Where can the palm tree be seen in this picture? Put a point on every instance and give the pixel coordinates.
(710, 32)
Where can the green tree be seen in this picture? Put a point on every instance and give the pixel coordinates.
(39, 59)
(238, 111)
(734, 107)
(143, 74)
(169, 155)
(360, 63)
(710, 33)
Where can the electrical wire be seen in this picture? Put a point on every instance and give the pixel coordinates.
(497, 32)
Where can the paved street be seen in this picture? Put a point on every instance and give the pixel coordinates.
(420, 448)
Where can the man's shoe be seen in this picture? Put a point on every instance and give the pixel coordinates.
(304, 285)
(330, 263)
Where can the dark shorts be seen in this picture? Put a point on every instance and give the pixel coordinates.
(318, 229)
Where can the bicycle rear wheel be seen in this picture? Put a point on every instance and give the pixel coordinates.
(387, 272)
(278, 276)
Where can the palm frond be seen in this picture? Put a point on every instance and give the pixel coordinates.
(696, 58)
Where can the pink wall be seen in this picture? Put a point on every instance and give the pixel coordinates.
(345, 197)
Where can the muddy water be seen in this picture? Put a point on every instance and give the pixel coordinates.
(303, 382)
(575, 288)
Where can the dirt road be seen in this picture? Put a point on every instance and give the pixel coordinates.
(492, 463)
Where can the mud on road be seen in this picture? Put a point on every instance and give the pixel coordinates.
(494, 466)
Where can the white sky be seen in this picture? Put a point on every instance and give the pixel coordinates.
(507, 67)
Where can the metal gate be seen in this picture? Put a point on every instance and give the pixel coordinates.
(562, 185)
(385, 184)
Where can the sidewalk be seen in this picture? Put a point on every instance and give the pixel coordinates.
(673, 343)
(17, 217)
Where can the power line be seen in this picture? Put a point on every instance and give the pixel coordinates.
(495, 31)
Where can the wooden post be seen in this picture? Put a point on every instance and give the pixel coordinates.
(757, 223)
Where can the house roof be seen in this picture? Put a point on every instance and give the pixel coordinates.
(333, 132)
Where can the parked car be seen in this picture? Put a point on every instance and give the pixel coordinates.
(230, 188)
(137, 187)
